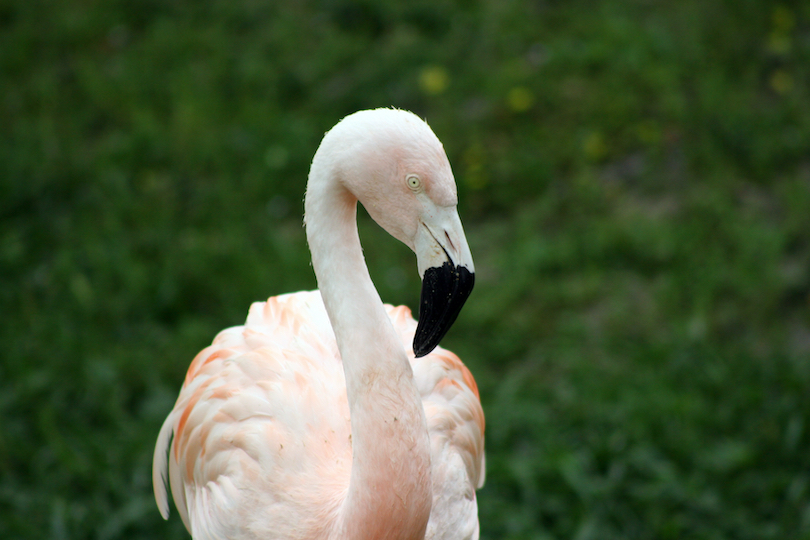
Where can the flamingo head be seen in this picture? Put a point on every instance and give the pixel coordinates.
(394, 164)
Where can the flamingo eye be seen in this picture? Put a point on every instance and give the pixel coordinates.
(414, 182)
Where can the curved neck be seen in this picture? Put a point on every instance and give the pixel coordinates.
(389, 493)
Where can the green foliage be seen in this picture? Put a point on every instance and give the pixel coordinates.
(634, 179)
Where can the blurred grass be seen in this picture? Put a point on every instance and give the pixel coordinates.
(635, 183)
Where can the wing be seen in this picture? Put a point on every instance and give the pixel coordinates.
(234, 449)
(456, 425)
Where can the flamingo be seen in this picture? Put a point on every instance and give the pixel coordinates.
(318, 419)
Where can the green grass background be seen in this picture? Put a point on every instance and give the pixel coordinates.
(634, 179)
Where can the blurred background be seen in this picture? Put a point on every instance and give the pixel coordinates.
(634, 179)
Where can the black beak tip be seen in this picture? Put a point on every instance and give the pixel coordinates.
(419, 352)
(445, 289)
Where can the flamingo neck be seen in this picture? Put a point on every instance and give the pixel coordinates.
(389, 493)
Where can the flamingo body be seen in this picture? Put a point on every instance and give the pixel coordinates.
(316, 420)
(241, 454)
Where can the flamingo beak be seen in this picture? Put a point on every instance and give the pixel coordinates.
(444, 291)
(448, 276)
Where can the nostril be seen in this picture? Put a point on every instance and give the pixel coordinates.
(452, 246)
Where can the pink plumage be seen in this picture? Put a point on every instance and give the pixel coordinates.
(262, 443)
